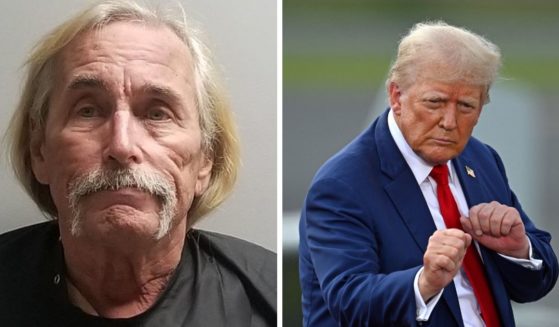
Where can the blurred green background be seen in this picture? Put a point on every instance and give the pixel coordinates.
(336, 56)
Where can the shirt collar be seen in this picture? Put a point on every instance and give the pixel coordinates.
(418, 166)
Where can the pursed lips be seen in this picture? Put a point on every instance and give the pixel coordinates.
(125, 196)
(443, 141)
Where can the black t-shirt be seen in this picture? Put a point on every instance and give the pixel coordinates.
(220, 281)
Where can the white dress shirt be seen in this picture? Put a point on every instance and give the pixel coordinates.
(421, 170)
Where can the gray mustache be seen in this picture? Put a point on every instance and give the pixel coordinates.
(111, 180)
(101, 179)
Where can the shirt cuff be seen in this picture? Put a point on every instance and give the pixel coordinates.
(532, 263)
(423, 310)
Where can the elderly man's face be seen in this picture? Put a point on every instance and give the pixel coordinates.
(124, 100)
(436, 119)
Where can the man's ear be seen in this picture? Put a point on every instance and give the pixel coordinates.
(394, 95)
(204, 175)
(37, 153)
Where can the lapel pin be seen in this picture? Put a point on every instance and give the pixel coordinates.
(470, 172)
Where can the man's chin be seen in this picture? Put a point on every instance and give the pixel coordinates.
(438, 155)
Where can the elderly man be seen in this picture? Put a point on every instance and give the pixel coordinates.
(124, 138)
(414, 223)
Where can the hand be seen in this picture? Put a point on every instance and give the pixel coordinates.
(499, 228)
(442, 260)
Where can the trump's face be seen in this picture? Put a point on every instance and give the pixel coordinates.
(122, 112)
(436, 118)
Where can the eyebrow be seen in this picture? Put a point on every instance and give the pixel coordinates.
(434, 94)
(160, 91)
(470, 102)
(88, 81)
(94, 82)
(436, 97)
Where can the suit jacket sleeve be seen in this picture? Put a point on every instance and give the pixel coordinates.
(343, 247)
(523, 284)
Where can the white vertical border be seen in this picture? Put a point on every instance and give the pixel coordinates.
(279, 157)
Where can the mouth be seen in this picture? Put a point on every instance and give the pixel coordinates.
(123, 191)
(125, 186)
(133, 197)
(443, 141)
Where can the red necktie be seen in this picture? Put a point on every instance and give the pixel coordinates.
(472, 263)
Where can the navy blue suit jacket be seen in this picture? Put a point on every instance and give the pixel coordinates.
(365, 226)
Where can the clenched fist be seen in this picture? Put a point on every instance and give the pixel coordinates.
(442, 260)
(499, 228)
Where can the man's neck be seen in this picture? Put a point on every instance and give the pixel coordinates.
(120, 282)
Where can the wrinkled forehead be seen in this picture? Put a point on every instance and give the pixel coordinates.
(125, 43)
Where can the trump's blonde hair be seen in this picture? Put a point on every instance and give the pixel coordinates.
(219, 135)
(445, 53)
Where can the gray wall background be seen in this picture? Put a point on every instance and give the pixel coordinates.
(243, 37)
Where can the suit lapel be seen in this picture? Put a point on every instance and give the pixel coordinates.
(402, 187)
(405, 193)
(410, 204)
(409, 201)
(451, 298)
(475, 193)
(469, 175)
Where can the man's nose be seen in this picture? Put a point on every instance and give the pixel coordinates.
(448, 118)
(123, 144)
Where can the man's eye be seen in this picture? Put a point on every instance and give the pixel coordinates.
(433, 103)
(88, 112)
(157, 114)
(467, 107)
